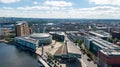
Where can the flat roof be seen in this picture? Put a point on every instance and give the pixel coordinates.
(59, 33)
(20, 22)
(97, 34)
(39, 35)
(100, 33)
(104, 43)
(111, 52)
(28, 39)
(107, 47)
(72, 48)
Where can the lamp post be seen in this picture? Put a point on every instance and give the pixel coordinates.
(42, 49)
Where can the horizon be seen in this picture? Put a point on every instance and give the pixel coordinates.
(79, 9)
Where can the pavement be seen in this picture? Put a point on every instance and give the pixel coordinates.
(83, 60)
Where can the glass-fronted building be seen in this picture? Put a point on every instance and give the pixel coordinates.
(33, 41)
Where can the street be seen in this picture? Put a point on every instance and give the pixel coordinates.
(83, 60)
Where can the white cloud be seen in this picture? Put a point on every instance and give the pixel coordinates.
(58, 3)
(9, 1)
(104, 2)
(49, 8)
(34, 8)
(9, 8)
(55, 12)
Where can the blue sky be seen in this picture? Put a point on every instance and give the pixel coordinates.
(91, 9)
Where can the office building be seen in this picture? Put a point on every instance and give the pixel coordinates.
(22, 28)
(107, 54)
(59, 36)
(34, 40)
(100, 33)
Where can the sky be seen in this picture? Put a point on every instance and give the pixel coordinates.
(89, 9)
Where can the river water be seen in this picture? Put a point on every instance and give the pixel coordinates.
(12, 56)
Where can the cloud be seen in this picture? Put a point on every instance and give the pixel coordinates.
(58, 3)
(8, 8)
(32, 8)
(103, 12)
(8, 1)
(105, 2)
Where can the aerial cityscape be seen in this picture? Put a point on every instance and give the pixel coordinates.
(59, 33)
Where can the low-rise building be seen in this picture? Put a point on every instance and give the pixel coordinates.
(59, 36)
(104, 51)
(100, 33)
(73, 36)
(116, 34)
(68, 51)
(33, 41)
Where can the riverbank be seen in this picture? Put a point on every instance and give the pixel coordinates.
(4, 41)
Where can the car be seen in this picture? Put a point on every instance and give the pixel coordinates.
(83, 53)
(88, 59)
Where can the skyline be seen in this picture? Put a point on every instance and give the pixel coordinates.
(89, 9)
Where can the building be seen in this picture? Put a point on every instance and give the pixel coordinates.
(104, 51)
(6, 32)
(59, 36)
(22, 28)
(100, 33)
(42, 37)
(116, 34)
(109, 58)
(33, 41)
(1, 31)
(73, 35)
(68, 51)
(30, 31)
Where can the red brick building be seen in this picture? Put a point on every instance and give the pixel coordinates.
(109, 58)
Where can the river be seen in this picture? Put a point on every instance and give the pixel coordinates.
(12, 56)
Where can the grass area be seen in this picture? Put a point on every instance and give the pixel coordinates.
(62, 43)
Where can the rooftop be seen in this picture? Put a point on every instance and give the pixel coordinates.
(59, 33)
(100, 33)
(39, 35)
(70, 48)
(20, 22)
(107, 47)
(114, 52)
(103, 43)
(28, 39)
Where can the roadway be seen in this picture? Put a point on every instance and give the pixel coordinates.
(83, 60)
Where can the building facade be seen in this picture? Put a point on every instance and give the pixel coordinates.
(108, 54)
(34, 40)
(59, 36)
(22, 28)
(31, 44)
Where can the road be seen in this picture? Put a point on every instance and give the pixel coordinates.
(88, 63)
(83, 60)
